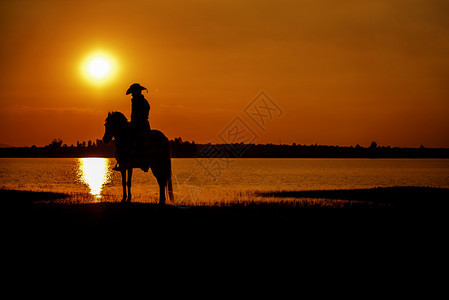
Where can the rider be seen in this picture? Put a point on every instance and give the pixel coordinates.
(140, 109)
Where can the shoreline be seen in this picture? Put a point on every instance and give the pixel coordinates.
(394, 195)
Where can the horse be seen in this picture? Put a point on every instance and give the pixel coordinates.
(155, 154)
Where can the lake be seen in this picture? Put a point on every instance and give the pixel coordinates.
(210, 180)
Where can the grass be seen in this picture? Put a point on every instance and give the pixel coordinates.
(35, 218)
(397, 196)
(379, 196)
(17, 197)
(268, 228)
(24, 197)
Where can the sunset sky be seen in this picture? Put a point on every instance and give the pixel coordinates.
(343, 72)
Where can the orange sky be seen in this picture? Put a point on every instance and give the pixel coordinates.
(343, 72)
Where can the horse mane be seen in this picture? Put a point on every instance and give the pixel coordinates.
(117, 118)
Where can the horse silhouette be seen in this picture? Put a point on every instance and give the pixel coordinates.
(155, 153)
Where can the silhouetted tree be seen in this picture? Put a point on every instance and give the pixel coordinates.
(56, 143)
(182, 148)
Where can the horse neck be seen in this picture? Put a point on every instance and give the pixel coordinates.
(121, 131)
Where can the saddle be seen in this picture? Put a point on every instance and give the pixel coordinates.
(139, 151)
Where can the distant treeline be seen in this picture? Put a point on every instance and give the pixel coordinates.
(182, 148)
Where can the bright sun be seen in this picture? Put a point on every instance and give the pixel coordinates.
(99, 67)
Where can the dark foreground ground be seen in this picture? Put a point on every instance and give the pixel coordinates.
(368, 237)
(372, 213)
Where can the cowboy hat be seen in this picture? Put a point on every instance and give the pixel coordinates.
(135, 87)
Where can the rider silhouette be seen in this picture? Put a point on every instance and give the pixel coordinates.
(140, 109)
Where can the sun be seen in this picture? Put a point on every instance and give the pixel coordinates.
(99, 67)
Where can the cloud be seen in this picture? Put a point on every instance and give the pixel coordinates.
(26, 109)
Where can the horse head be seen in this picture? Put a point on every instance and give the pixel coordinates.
(114, 123)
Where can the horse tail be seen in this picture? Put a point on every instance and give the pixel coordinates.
(169, 185)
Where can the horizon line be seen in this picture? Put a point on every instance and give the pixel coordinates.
(4, 146)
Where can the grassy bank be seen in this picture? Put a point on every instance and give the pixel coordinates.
(37, 224)
(398, 196)
(372, 207)
(16, 197)
(404, 196)
(380, 197)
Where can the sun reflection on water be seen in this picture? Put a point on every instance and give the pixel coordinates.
(94, 172)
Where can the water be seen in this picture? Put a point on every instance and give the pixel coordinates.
(217, 180)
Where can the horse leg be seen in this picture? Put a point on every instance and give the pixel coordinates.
(162, 184)
(123, 172)
(128, 183)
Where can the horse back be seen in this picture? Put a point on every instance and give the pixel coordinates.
(156, 141)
